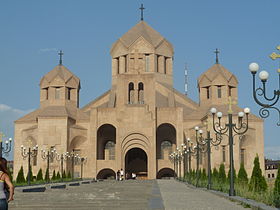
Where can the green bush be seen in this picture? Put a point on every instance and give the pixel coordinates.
(58, 176)
(215, 175)
(47, 175)
(276, 190)
(39, 176)
(234, 175)
(54, 175)
(20, 176)
(31, 175)
(69, 175)
(222, 174)
(64, 175)
(242, 177)
(257, 182)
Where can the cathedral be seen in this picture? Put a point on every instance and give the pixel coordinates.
(139, 122)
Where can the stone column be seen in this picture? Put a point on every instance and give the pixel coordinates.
(161, 64)
(169, 66)
(115, 66)
(122, 65)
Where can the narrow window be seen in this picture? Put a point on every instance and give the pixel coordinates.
(224, 153)
(164, 64)
(57, 93)
(166, 149)
(208, 92)
(219, 91)
(110, 147)
(140, 93)
(130, 93)
(229, 91)
(242, 156)
(47, 93)
(69, 93)
(268, 175)
(147, 58)
(272, 175)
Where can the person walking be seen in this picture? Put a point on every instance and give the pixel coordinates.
(118, 175)
(121, 174)
(5, 184)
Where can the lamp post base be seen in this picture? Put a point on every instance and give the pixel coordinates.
(230, 193)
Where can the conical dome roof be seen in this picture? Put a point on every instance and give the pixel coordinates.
(214, 71)
(63, 74)
(144, 30)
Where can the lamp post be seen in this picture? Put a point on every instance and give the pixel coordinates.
(7, 146)
(32, 152)
(47, 155)
(230, 128)
(74, 158)
(172, 157)
(61, 157)
(269, 102)
(83, 160)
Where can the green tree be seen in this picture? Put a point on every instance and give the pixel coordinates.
(20, 176)
(69, 175)
(31, 175)
(276, 189)
(39, 176)
(204, 176)
(257, 182)
(222, 174)
(64, 175)
(234, 175)
(47, 175)
(54, 175)
(58, 176)
(242, 175)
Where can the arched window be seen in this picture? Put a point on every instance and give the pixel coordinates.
(110, 150)
(141, 93)
(130, 93)
(166, 149)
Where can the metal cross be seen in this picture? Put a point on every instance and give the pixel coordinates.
(230, 103)
(217, 57)
(60, 57)
(142, 9)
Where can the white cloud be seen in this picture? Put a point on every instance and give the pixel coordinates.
(43, 50)
(272, 152)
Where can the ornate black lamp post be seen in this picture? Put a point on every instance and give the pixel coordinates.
(7, 146)
(61, 157)
(172, 157)
(74, 159)
(32, 152)
(47, 155)
(269, 102)
(229, 129)
(82, 161)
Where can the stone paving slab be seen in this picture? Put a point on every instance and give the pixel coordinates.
(178, 196)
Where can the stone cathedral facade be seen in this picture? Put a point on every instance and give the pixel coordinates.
(139, 121)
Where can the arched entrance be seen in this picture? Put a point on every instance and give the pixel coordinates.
(165, 173)
(106, 173)
(136, 161)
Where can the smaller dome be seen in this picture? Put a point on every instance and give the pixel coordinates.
(60, 74)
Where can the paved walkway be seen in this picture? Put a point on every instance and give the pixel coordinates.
(125, 195)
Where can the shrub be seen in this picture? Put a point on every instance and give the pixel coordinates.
(69, 175)
(64, 175)
(47, 175)
(257, 182)
(58, 175)
(31, 175)
(222, 174)
(242, 175)
(215, 174)
(234, 175)
(54, 175)
(39, 176)
(276, 190)
(20, 176)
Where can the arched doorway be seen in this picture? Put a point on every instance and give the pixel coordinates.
(165, 173)
(136, 161)
(106, 173)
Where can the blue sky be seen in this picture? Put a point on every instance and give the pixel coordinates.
(32, 31)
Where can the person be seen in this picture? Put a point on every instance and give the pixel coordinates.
(5, 183)
(133, 176)
(121, 174)
(118, 175)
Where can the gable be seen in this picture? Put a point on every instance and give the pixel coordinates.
(118, 49)
(57, 81)
(219, 80)
(165, 49)
(204, 82)
(141, 45)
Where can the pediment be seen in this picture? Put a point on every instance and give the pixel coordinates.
(165, 48)
(44, 83)
(57, 81)
(72, 83)
(204, 82)
(141, 45)
(118, 49)
(219, 80)
(233, 81)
